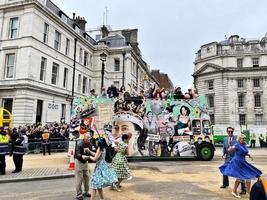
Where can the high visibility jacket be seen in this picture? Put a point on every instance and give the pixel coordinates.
(4, 144)
(253, 137)
(261, 137)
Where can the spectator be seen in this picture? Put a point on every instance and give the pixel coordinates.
(104, 93)
(93, 94)
(178, 94)
(46, 141)
(112, 91)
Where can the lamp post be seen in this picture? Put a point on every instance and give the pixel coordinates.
(103, 58)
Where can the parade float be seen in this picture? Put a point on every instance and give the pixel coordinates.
(158, 129)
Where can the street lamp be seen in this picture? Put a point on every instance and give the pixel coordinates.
(103, 58)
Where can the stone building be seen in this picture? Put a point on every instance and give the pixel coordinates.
(233, 76)
(47, 58)
(124, 62)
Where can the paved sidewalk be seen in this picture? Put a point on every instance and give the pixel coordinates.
(39, 167)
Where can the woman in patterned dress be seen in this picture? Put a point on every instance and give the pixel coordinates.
(103, 175)
(119, 162)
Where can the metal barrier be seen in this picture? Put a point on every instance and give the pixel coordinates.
(56, 145)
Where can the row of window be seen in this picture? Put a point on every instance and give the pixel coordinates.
(240, 83)
(256, 83)
(255, 62)
(242, 119)
(257, 100)
(82, 81)
(241, 100)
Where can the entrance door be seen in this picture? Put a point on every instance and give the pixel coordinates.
(39, 111)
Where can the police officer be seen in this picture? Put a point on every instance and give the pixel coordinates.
(261, 140)
(4, 139)
(18, 150)
(252, 140)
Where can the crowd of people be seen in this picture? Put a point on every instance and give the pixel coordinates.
(151, 92)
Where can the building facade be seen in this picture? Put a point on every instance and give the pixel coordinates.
(232, 74)
(164, 80)
(47, 58)
(125, 64)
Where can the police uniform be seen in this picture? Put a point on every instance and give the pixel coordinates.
(4, 139)
(18, 150)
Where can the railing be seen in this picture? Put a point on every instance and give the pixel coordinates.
(55, 146)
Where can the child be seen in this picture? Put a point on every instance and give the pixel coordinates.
(103, 175)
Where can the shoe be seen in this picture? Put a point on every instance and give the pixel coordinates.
(236, 195)
(79, 197)
(86, 194)
(224, 186)
(242, 193)
(15, 171)
(116, 187)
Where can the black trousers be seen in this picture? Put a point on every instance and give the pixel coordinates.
(18, 161)
(261, 143)
(226, 183)
(2, 164)
(252, 143)
(47, 145)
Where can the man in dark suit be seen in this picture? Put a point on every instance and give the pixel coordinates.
(230, 140)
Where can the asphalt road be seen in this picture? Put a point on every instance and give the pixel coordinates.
(183, 180)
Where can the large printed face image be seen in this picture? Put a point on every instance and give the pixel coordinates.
(155, 128)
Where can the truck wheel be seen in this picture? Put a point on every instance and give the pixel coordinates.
(205, 152)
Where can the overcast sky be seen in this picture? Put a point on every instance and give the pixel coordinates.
(171, 31)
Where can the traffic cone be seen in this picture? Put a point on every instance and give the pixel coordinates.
(72, 164)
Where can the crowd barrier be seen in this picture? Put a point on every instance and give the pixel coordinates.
(35, 145)
(56, 145)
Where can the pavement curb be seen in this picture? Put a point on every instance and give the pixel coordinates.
(37, 178)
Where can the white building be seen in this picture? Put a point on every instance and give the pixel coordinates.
(37, 51)
(233, 76)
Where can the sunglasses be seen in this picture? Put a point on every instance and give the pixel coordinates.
(230, 131)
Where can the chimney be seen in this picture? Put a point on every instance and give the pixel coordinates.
(80, 21)
(104, 31)
(73, 16)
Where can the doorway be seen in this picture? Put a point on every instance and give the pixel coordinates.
(39, 111)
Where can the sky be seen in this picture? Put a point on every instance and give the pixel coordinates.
(170, 32)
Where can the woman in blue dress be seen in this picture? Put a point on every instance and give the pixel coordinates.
(238, 167)
(103, 175)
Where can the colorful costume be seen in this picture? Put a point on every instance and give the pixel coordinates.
(119, 162)
(103, 175)
(238, 167)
